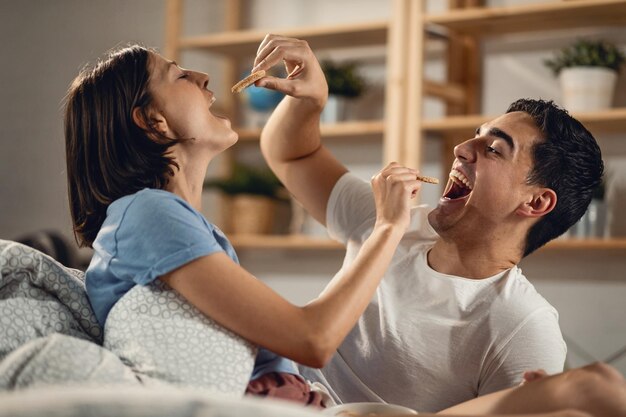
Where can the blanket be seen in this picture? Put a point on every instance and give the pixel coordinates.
(49, 334)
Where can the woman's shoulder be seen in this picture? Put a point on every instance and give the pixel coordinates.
(148, 200)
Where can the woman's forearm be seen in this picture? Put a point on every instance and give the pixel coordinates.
(328, 316)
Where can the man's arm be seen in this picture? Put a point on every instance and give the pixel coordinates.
(537, 343)
(291, 141)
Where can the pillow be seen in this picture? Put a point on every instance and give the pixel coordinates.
(39, 297)
(164, 339)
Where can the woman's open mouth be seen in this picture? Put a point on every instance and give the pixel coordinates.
(461, 186)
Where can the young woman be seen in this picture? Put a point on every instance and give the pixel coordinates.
(140, 135)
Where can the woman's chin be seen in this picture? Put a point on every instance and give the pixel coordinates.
(223, 119)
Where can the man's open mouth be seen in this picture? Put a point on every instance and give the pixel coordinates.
(461, 186)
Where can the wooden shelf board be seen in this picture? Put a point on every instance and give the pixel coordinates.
(347, 130)
(246, 42)
(605, 121)
(586, 244)
(301, 242)
(486, 21)
(290, 242)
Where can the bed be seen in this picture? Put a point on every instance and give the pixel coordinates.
(53, 362)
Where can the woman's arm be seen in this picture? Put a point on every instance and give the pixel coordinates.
(227, 293)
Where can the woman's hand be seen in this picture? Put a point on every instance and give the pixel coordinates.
(394, 187)
(305, 77)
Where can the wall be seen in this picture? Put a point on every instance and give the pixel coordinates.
(51, 41)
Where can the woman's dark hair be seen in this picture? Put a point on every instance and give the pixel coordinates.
(568, 161)
(108, 154)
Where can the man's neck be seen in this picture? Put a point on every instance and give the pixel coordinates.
(472, 260)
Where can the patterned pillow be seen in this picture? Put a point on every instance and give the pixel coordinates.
(163, 338)
(38, 297)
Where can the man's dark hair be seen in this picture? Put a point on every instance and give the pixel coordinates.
(568, 161)
(108, 154)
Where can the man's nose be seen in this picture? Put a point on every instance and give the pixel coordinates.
(466, 151)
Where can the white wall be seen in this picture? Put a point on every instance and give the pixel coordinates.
(46, 42)
(44, 45)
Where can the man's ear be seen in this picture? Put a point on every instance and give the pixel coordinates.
(540, 203)
(155, 121)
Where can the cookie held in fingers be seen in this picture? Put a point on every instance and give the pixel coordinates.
(248, 81)
(429, 180)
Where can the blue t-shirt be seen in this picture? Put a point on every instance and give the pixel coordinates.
(146, 235)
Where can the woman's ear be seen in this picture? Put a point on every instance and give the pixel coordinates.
(155, 121)
(539, 204)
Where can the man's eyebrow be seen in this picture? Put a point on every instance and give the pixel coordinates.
(494, 131)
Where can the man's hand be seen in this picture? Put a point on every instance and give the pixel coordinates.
(305, 79)
(530, 376)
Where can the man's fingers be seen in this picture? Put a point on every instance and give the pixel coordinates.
(269, 37)
(289, 87)
(277, 50)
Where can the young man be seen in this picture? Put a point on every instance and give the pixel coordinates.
(454, 318)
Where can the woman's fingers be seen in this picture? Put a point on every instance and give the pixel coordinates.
(394, 186)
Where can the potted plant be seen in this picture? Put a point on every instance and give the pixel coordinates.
(587, 71)
(344, 83)
(251, 197)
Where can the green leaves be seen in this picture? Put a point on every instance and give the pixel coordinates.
(343, 79)
(587, 53)
(248, 180)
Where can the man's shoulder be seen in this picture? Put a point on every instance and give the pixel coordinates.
(517, 298)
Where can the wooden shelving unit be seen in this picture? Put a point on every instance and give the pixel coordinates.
(489, 21)
(467, 23)
(586, 244)
(346, 130)
(291, 242)
(606, 121)
(246, 42)
(235, 43)
(406, 36)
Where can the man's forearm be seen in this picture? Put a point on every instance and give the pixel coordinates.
(292, 132)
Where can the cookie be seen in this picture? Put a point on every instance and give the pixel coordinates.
(248, 81)
(429, 180)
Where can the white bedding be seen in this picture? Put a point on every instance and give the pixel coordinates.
(52, 361)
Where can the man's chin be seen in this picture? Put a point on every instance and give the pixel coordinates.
(442, 218)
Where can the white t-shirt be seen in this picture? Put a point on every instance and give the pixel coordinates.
(429, 340)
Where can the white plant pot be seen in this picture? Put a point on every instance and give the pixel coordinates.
(587, 88)
(335, 109)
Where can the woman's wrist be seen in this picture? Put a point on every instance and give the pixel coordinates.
(390, 229)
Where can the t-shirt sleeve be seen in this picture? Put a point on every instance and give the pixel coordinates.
(158, 234)
(351, 209)
(267, 361)
(537, 343)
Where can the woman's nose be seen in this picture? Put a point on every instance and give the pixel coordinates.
(202, 79)
(466, 151)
